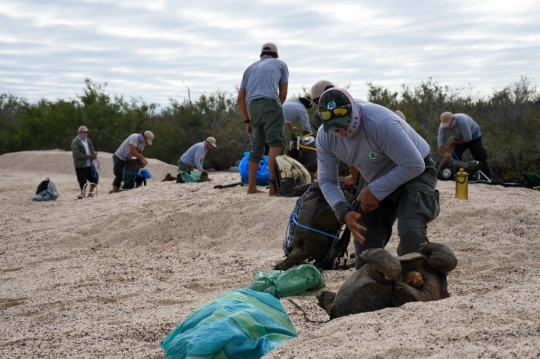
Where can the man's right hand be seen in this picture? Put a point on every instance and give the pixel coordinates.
(144, 162)
(351, 220)
(348, 181)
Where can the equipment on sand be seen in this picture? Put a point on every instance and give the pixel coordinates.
(462, 180)
(315, 234)
(302, 149)
(46, 191)
(291, 177)
(134, 175)
(221, 186)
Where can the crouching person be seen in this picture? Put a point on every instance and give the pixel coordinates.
(394, 160)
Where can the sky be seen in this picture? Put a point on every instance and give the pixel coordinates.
(158, 50)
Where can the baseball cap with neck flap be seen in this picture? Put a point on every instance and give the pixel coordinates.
(306, 100)
(337, 110)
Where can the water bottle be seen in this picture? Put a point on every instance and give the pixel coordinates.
(462, 181)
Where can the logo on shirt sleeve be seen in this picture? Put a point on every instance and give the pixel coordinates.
(373, 156)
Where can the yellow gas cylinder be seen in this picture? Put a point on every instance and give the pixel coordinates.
(462, 182)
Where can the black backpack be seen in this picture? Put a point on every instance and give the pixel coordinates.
(130, 174)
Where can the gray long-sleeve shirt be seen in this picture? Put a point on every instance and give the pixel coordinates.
(194, 156)
(386, 150)
(294, 110)
(463, 127)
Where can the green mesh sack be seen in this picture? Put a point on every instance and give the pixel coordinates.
(294, 281)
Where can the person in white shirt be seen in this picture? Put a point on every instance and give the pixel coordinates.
(194, 156)
(295, 109)
(133, 146)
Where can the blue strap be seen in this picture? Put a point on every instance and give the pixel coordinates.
(294, 219)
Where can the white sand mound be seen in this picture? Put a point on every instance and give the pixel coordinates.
(111, 276)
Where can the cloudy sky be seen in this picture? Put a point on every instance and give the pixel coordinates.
(157, 49)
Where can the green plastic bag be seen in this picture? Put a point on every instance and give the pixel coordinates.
(194, 176)
(293, 281)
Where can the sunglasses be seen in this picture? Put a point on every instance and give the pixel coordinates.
(337, 112)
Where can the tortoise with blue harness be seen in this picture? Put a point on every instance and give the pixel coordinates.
(315, 234)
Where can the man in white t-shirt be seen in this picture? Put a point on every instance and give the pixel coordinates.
(133, 146)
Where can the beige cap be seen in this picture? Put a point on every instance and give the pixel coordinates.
(269, 47)
(319, 87)
(212, 141)
(400, 114)
(149, 137)
(446, 118)
(82, 129)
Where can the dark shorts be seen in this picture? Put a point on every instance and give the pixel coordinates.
(86, 174)
(267, 125)
(117, 170)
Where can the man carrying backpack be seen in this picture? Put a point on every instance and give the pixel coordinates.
(83, 154)
(394, 160)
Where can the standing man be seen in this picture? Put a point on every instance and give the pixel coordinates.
(295, 109)
(133, 146)
(262, 91)
(194, 156)
(466, 135)
(395, 161)
(83, 155)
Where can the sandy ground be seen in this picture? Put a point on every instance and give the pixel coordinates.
(111, 276)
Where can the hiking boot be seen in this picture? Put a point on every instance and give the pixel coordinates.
(204, 177)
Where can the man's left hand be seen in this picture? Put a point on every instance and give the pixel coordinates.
(351, 220)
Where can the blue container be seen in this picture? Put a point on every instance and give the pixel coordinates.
(263, 172)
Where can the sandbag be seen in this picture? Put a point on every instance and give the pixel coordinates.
(239, 324)
(293, 281)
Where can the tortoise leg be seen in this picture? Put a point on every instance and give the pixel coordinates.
(296, 256)
(326, 299)
(439, 256)
(380, 260)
